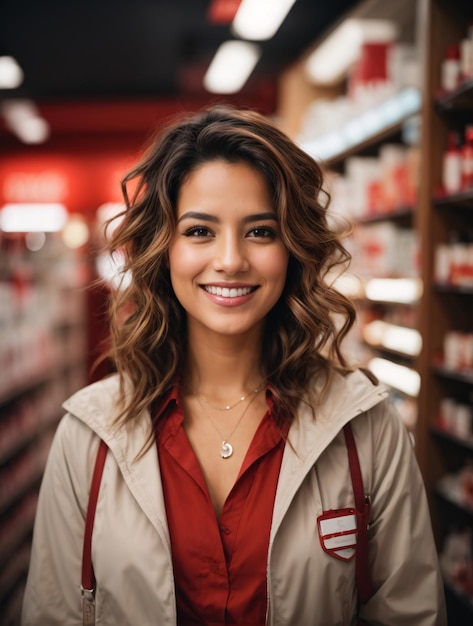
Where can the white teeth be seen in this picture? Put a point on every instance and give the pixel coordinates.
(225, 292)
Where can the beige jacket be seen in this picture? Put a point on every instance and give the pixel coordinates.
(306, 586)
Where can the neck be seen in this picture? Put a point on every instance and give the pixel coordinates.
(223, 369)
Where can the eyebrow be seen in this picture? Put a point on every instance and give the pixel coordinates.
(195, 215)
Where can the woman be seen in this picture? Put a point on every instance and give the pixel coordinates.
(224, 421)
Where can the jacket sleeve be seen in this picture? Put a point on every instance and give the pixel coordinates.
(403, 557)
(53, 595)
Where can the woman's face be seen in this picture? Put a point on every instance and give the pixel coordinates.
(227, 262)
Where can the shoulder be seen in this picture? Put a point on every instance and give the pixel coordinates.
(96, 394)
(97, 405)
(346, 397)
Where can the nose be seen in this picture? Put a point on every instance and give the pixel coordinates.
(230, 254)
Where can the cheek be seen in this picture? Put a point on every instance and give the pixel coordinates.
(182, 260)
(276, 265)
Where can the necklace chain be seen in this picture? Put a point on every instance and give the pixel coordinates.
(226, 449)
(229, 407)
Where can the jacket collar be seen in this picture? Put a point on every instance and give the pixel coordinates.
(95, 405)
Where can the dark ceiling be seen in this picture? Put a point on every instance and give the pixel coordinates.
(86, 49)
(111, 70)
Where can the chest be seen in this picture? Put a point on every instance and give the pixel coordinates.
(223, 445)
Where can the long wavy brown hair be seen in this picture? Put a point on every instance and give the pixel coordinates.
(305, 329)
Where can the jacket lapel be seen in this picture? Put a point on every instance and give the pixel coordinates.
(348, 397)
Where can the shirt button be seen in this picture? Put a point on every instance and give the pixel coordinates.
(225, 531)
(215, 566)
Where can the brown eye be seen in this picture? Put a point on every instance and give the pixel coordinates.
(262, 232)
(198, 231)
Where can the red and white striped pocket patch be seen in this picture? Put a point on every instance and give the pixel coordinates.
(338, 532)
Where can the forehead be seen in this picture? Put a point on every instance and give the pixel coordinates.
(220, 184)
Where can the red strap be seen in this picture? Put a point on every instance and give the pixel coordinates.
(88, 578)
(363, 576)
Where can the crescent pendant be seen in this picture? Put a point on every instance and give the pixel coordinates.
(227, 450)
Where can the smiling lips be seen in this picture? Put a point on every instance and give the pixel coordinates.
(229, 292)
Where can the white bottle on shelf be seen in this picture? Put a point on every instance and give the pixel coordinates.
(450, 69)
(466, 55)
(452, 165)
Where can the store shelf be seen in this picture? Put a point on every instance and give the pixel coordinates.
(402, 214)
(459, 595)
(448, 489)
(23, 439)
(17, 536)
(458, 100)
(29, 482)
(445, 435)
(462, 199)
(48, 372)
(391, 353)
(369, 128)
(11, 575)
(461, 376)
(466, 290)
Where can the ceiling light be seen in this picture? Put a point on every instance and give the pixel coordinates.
(33, 217)
(231, 66)
(11, 74)
(259, 20)
(330, 61)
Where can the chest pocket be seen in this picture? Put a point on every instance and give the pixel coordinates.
(338, 533)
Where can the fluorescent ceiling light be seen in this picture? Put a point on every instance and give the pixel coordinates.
(259, 20)
(11, 74)
(330, 61)
(397, 376)
(231, 66)
(33, 218)
(23, 119)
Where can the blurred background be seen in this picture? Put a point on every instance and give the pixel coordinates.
(380, 93)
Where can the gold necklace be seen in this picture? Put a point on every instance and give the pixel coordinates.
(229, 407)
(226, 449)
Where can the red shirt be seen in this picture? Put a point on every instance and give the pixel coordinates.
(219, 565)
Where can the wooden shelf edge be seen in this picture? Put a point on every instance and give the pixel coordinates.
(464, 290)
(400, 213)
(453, 438)
(459, 376)
(449, 101)
(440, 489)
(462, 198)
